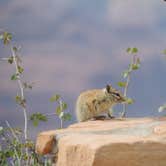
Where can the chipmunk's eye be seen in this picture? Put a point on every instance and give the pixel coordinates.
(116, 94)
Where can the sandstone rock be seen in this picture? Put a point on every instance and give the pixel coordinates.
(45, 142)
(129, 142)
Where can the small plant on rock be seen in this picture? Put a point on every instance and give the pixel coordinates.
(133, 66)
(60, 112)
(60, 109)
(16, 148)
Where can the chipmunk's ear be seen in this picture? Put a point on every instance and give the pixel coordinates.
(108, 88)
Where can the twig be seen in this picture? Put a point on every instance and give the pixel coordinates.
(3, 59)
(49, 114)
(60, 103)
(127, 85)
(12, 131)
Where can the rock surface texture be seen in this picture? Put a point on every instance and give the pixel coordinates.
(118, 142)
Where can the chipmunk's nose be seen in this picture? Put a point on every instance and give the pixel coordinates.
(124, 99)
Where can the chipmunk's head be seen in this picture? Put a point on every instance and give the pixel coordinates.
(114, 94)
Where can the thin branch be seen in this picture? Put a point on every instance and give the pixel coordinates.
(61, 121)
(12, 131)
(16, 61)
(127, 84)
(50, 114)
(3, 59)
(22, 98)
(22, 93)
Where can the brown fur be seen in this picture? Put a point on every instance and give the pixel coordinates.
(92, 103)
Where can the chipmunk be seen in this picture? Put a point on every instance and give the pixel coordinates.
(90, 104)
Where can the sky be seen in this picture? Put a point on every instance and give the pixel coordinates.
(69, 46)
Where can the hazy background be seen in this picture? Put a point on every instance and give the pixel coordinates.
(72, 45)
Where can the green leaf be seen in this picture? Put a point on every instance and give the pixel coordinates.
(14, 77)
(55, 98)
(35, 122)
(7, 37)
(15, 49)
(63, 105)
(37, 117)
(58, 110)
(129, 101)
(43, 118)
(10, 60)
(134, 50)
(121, 84)
(9, 153)
(29, 144)
(18, 99)
(164, 51)
(128, 50)
(162, 108)
(66, 116)
(20, 69)
(135, 66)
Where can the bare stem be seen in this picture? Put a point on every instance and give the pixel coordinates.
(61, 123)
(61, 120)
(127, 85)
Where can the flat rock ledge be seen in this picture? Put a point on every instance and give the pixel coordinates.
(117, 142)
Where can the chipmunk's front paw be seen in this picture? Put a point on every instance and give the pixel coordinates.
(111, 116)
